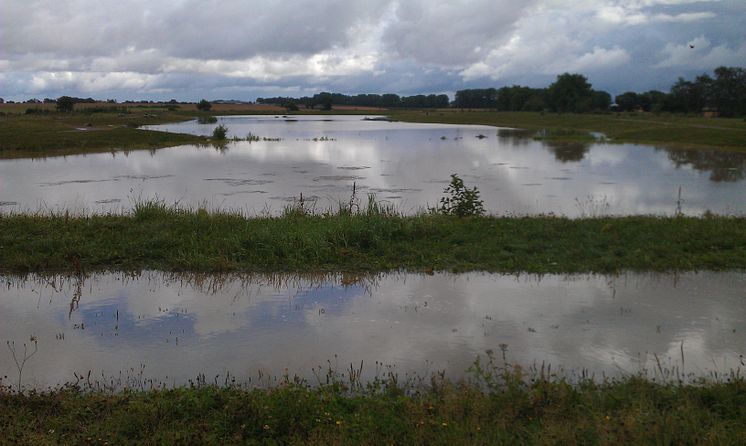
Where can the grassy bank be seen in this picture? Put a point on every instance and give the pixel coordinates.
(155, 236)
(97, 128)
(631, 411)
(676, 131)
(52, 134)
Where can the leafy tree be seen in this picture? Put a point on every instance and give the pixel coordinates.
(291, 106)
(570, 93)
(600, 100)
(65, 104)
(627, 101)
(727, 92)
(204, 105)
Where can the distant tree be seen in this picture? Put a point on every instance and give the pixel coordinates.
(204, 105)
(570, 93)
(600, 100)
(727, 92)
(476, 98)
(323, 99)
(627, 101)
(390, 100)
(291, 106)
(65, 104)
(687, 96)
(2, 101)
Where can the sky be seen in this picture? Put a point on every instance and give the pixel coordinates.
(244, 49)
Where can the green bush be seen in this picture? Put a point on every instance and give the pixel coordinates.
(460, 200)
(220, 132)
(204, 105)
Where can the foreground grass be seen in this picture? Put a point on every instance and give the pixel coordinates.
(668, 130)
(155, 236)
(630, 411)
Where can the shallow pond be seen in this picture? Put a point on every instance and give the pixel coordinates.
(404, 164)
(172, 328)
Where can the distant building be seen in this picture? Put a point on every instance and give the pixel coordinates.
(710, 112)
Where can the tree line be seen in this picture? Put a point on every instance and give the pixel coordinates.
(724, 92)
(325, 100)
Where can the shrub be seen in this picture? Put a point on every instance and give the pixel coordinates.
(460, 200)
(207, 119)
(204, 105)
(220, 132)
(65, 104)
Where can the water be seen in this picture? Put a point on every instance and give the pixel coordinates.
(171, 328)
(404, 164)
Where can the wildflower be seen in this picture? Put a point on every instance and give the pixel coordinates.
(339, 422)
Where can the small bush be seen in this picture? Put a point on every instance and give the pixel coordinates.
(207, 120)
(460, 200)
(220, 132)
(204, 105)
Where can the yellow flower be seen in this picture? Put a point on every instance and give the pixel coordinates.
(445, 424)
(607, 418)
(339, 422)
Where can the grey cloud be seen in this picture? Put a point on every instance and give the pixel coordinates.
(242, 49)
(453, 32)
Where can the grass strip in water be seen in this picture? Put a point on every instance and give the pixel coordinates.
(629, 411)
(156, 236)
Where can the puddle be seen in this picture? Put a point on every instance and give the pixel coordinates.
(174, 327)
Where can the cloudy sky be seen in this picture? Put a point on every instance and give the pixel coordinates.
(242, 49)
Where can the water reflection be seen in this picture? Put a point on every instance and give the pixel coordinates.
(180, 326)
(404, 164)
(568, 152)
(723, 166)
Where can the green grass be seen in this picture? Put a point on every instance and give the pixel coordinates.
(156, 236)
(676, 131)
(545, 411)
(55, 134)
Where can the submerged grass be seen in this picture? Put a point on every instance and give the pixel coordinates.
(157, 236)
(516, 411)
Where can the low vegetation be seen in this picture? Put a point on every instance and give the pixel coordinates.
(668, 130)
(156, 236)
(510, 410)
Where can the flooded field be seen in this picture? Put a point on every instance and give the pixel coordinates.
(171, 328)
(404, 164)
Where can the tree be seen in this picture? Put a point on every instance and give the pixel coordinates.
(204, 105)
(323, 99)
(65, 104)
(570, 93)
(291, 106)
(600, 100)
(627, 101)
(727, 92)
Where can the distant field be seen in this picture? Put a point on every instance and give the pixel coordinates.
(644, 128)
